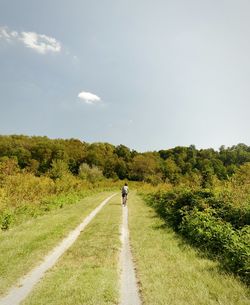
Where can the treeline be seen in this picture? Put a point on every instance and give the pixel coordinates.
(39, 155)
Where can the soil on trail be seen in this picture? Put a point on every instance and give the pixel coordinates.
(129, 288)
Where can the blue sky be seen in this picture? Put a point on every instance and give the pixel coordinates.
(148, 74)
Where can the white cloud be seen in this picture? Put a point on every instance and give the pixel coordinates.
(6, 34)
(89, 98)
(40, 43)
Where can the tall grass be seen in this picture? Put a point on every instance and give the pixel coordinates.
(24, 195)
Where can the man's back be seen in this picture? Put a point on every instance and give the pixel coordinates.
(125, 189)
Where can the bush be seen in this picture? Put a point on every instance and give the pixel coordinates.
(23, 195)
(26, 187)
(6, 220)
(209, 223)
(92, 174)
(59, 168)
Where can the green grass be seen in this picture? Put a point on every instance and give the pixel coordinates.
(172, 272)
(88, 272)
(23, 246)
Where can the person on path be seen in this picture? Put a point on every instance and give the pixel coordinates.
(124, 194)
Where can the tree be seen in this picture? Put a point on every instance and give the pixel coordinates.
(109, 169)
(92, 174)
(121, 169)
(99, 153)
(171, 171)
(143, 166)
(123, 152)
(58, 169)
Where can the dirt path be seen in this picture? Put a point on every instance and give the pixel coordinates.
(129, 289)
(27, 283)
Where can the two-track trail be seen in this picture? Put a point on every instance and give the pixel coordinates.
(169, 270)
(96, 254)
(25, 285)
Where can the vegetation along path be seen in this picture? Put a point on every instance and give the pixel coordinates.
(170, 271)
(26, 284)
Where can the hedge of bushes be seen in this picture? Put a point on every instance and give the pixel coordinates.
(210, 223)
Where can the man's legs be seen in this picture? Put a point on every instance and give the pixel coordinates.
(124, 199)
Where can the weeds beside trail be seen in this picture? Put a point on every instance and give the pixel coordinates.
(173, 273)
(212, 221)
(22, 247)
(88, 272)
(24, 196)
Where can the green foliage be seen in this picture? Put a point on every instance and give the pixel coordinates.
(219, 237)
(209, 221)
(26, 196)
(59, 168)
(178, 165)
(92, 174)
(123, 152)
(38, 173)
(8, 166)
(6, 220)
(143, 166)
(95, 174)
(171, 171)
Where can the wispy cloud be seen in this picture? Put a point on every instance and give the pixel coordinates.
(38, 42)
(89, 98)
(6, 34)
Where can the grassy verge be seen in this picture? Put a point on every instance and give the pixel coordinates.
(23, 246)
(171, 272)
(87, 273)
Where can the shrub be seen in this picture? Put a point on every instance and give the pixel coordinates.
(92, 174)
(59, 168)
(6, 220)
(209, 223)
(26, 187)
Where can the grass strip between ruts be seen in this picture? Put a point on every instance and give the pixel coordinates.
(24, 246)
(171, 272)
(88, 272)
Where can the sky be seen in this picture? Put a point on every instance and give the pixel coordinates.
(149, 74)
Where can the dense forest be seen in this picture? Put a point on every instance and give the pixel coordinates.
(52, 157)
